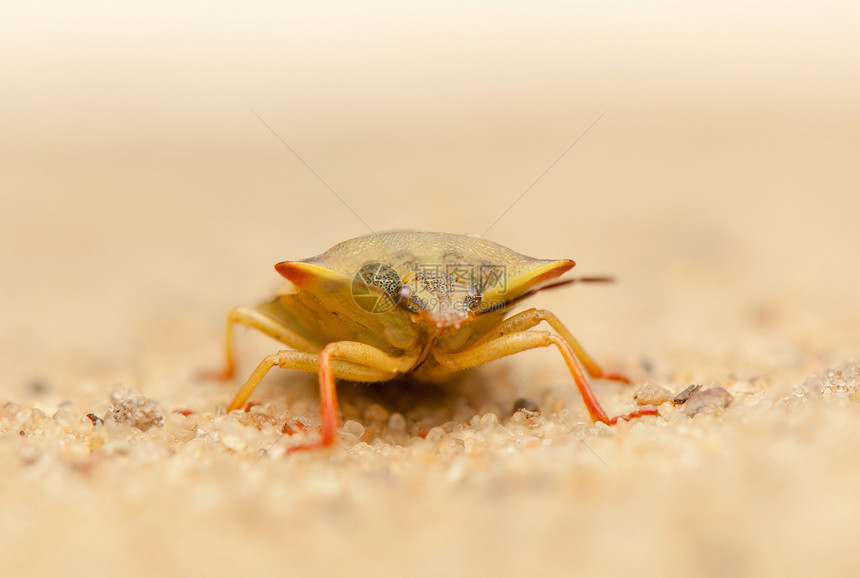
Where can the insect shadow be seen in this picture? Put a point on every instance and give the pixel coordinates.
(422, 404)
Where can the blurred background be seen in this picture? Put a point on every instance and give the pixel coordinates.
(148, 184)
(157, 159)
(151, 173)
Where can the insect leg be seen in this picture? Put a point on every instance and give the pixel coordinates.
(357, 353)
(531, 317)
(303, 361)
(519, 341)
(262, 323)
(342, 360)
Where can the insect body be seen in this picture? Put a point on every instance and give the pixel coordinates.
(426, 304)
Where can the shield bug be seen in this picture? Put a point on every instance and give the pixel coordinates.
(409, 302)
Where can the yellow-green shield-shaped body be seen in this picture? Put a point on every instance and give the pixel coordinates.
(406, 292)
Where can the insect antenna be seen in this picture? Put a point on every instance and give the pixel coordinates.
(553, 285)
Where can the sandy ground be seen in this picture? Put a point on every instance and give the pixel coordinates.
(142, 197)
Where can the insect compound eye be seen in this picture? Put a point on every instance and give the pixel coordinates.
(380, 276)
(406, 298)
(404, 293)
